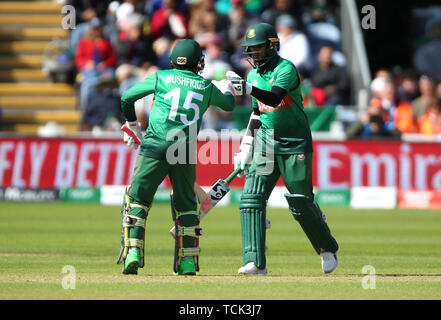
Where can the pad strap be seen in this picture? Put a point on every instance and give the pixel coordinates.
(137, 205)
(189, 252)
(133, 221)
(133, 242)
(195, 232)
(184, 213)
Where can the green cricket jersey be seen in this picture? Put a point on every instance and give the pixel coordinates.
(181, 98)
(292, 134)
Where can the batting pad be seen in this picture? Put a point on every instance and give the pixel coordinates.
(310, 218)
(253, 221)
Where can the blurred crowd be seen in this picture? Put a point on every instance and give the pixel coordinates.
(403, 102)
(408, 101)
(119, 43)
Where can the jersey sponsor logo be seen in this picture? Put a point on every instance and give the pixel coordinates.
(286, 102)
(181, 60)
(271, 81)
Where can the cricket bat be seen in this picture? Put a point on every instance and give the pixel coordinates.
(212, 197)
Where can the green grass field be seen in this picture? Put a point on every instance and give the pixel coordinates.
(38, 239)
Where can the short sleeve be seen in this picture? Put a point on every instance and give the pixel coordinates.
(286, 77)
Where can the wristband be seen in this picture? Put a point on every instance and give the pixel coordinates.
(248, 87)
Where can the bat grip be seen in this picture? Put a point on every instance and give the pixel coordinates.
(232, 175)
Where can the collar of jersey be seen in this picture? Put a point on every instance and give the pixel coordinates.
(270, 65)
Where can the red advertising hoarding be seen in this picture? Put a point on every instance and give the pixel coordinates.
(74, 162)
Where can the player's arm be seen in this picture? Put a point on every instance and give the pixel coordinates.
(286, 79)
(270, 98)
(128, 99)
(243, 158)
(222, 95)
(135, 93)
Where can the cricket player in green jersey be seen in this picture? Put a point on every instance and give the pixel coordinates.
(181, 97)
(276, 143)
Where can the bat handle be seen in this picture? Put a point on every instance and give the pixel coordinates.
(233, 175)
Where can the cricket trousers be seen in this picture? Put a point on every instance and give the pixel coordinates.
(148, 175)
(265, 171)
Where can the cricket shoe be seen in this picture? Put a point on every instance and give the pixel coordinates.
(132, 262)
(187, 267)
(250, 268)
(329, 261)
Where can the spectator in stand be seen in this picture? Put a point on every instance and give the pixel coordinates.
(280, 7)
(95, 60)
(332, 78)
(122, 15)
(86, 11)
(397, 114)
(239, 21)
(384, 73)
(253, 7)
(321, 31)
(408, 87)
(430, 122)
(204, 21)
(169, 22)
(134, 47)
(216, 60)
(162, 48)
(216, 66)
(438, 90)
(294, 45)
(136, 57)
(319, 11)
(420, 105)
(377, 86)
(151, 6)
(371, 125)
(426, 59)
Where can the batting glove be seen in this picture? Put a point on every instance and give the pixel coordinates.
(243, 159)
(240, 85)
(129, 139)
(224, 86)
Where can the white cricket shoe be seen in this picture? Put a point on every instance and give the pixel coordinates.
(329, 261)
(250, 268)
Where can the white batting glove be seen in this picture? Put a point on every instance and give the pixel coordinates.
(136, 129)
(243, 158)
(240, 85)
(224, 86)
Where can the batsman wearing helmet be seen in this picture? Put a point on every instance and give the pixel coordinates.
(276, 143)
(181, 98)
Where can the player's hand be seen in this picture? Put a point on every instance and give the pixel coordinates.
(240, 85)
(224, 86)
(136, 130)
(243, 159)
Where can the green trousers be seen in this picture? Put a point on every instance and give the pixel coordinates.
(265, 171)
(149, 174)
(295, 170)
